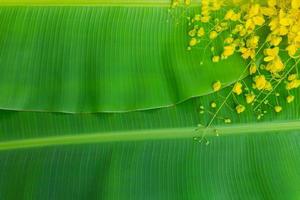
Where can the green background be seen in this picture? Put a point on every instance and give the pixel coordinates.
(96, 63)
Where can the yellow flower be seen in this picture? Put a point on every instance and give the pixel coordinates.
(274, 40)
(250, 25)
(292, 77)
(269, 11)
(205, 11)
(250, 97)
(260, 82)
(197, 18)
(216, 5)
(272, 3)
(237, 88)
(292, 50)
(205, 19)
(216, 86)
(229, 40)
(284, 21)
(269, 86)
(231, 15)
(192, 33)
(224, 24)
(243, 32)
(271, 54)
(238, 28)
(275, 66)
(293, 84)
(201, 32)
(253, 69)
(216, 59)
(193, 42)
(213, 35)
(247, 52)
(228, 50)
(218, 28)
(278, 109)
(254, 10)
(187, 2)
(240, 108)
(281, 30)
(227, 121)
(213, 105)
(258, 20)
(290, 98)
(274, 23)
(253, 42)
(295, 4)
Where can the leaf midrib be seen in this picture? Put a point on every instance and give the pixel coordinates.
(142, 135)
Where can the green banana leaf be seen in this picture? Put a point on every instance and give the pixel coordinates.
(149, 155)
(68, 59)
(87, 58)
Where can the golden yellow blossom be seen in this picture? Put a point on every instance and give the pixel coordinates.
(237, 88)
(216, 86)
(254, 10)
(216, 4)
(250, 25)
(229, 40)
(278, 109)
(269, 11)
(205, 11)
(292, 77)
(275, 66)
(274, 40)
(252, 42)
(193, 42)
(292, 50)
(231, 15)
(271, 54)
(240, 108)
(295, 4)
(250, 97)
(290, 98)
(259, 20)
(260, 82)
(293, 84)
(228, 50)
(268, 86)
(247, 53)
(252, 69)
(272, 3)
(192, 33)
(227, 121)
(213, 35)
(274, 23)
(216, 59)
(197, 18)
(213, 104)
(201, 32)
(205, 19)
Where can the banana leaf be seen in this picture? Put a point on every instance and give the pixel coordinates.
(58, 58)
(87, 58)
(149, 155)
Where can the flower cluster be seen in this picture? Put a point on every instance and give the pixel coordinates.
(266, 35)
